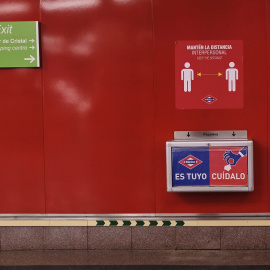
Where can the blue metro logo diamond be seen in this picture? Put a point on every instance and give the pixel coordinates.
(190, 162)
(209, 99)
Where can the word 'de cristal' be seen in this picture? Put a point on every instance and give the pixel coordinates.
(16, 40)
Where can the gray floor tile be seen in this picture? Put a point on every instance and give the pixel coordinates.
(22, 238)
(198, 237)
(109, 237)
(153, 238)
(44, 257)
(65, 237)
(243, 238)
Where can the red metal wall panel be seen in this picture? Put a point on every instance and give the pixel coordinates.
(98, 106)
(268, 96)
(108, 106)
(21, 121)
(212, 20)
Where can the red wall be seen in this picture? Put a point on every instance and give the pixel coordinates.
(86, 132)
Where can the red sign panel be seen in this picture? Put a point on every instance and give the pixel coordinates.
(209, 74)
(228, 166)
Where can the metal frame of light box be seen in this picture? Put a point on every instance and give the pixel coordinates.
(248, 188)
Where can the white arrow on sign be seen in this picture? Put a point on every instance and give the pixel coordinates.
(32, 59)
(32, 40)
(32, 47)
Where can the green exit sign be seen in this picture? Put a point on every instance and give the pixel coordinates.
(19, 44)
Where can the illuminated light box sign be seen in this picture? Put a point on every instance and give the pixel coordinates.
(19, 44)
(212, 165)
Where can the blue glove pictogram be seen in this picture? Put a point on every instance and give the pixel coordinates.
(230, 155)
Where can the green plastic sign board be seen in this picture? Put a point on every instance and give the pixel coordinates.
(19, 44)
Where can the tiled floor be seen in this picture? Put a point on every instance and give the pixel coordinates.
(138, 257)
(135, 238)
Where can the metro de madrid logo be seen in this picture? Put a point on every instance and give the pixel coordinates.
(190, 162)
(209, 99)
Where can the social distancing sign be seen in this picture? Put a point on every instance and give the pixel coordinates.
(209, 166)
(209, 74)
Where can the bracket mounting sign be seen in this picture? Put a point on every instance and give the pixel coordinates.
(211, 135)
(210, 161)
(19, 44)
